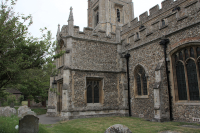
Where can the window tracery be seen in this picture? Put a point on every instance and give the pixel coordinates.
(141, 81)
(187, 69)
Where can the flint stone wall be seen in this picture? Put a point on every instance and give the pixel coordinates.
(182, 29)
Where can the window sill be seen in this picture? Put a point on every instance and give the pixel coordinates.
(94, 104)
(142, 96)
(187, 103)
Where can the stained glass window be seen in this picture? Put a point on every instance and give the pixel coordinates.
(89, 92)
(176, 58)
(96, 92)
(198, 51)
(186, 54)
(191, 52)
(141, 81)
(192, 80)
(180, 56)
(139, 84)
(180, 74)
(144, 80)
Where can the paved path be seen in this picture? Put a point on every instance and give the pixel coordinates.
(43, 119)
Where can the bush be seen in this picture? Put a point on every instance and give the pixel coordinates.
(21, 98)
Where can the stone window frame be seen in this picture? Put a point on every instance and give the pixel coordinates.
(95, 11)
(121, 10)
(135, 89)
(101, 93)
(184, 61)
(161, 23)
(137, 36)
(60, 60)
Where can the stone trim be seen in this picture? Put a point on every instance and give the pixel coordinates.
(97, 71)
(91, 40)
(124, 32)
(188, 103)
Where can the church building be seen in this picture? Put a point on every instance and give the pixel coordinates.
(147, 67)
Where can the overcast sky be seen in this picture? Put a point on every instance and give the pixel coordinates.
(50, 13)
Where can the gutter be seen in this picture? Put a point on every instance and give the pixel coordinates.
(164, 42)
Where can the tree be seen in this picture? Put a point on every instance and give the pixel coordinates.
(20, 54)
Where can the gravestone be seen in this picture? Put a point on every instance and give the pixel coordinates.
(118, 128)
(29, 124)
(28, 113)
(7, 111)
(23, 109)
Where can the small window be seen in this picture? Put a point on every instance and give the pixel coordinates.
(97, 18)
(180, 56)
(141, 81)
(163, 22)
(137, 35)
(93, 90)
(118, 15)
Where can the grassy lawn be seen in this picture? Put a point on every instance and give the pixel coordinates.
(99, 125)
(39, 111)
(24, 103)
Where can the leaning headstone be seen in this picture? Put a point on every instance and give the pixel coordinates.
(7, 111)
(118, 128)
(28, 113)
(29, 124)
(23, 109)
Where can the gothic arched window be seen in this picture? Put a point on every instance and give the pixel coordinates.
(141, 81)
(118, 15)
(187, 76)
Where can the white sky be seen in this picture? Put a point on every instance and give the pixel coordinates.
(50, 13)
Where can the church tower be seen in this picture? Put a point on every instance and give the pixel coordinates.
(105, 14)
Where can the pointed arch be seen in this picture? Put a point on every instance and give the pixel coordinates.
(140, 81)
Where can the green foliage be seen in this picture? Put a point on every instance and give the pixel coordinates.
(25, 62)
(21, 98)
(11, 99)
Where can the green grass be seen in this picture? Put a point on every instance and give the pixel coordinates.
(7, 125)
(39, 111)
(24, 103)
(99, 125)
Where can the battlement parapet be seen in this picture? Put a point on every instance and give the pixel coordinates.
(180, 17)
(153, 13)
